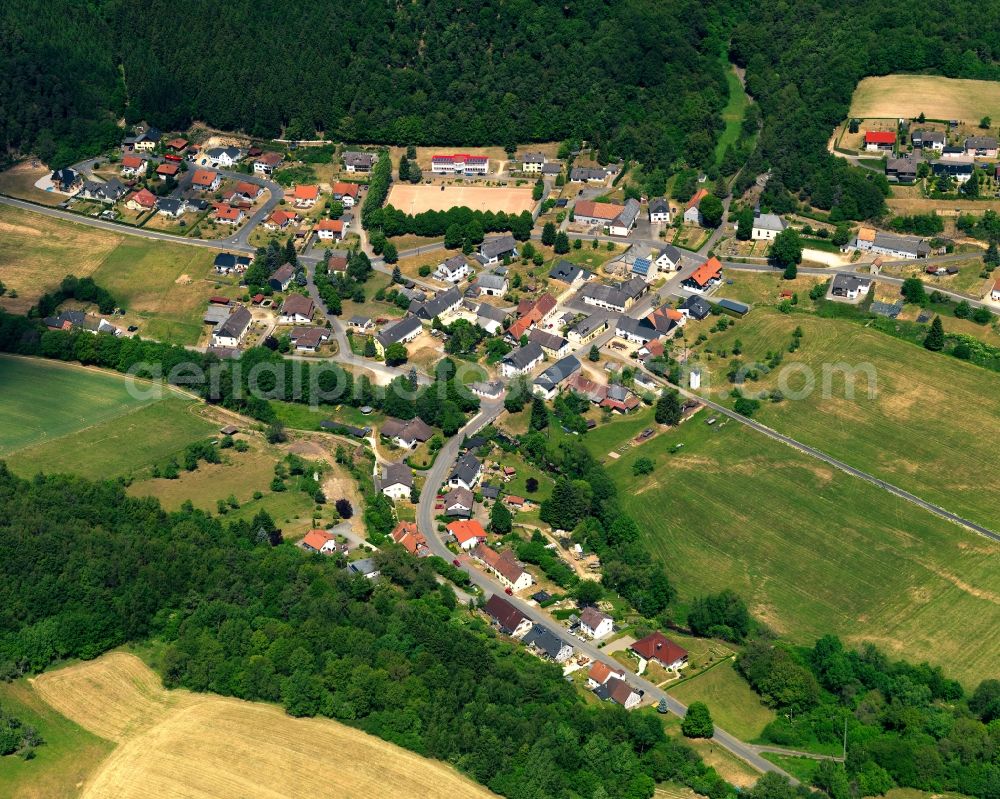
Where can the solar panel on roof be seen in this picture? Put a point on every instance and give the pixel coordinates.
(641, 266)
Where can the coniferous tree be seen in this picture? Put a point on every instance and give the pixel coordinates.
(934, 341)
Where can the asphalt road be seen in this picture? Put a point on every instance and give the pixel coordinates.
(425, 519)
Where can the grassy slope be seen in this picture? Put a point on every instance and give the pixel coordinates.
(733, 704)
(43, 400)
(925, 431)
(813, 550)
(732, 114)
(61, 763)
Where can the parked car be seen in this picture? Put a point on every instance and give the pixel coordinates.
(457, 562)
(508, 591)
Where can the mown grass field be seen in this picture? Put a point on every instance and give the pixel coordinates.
(908, 96)
(733, 704)
(926, 430)
(163, 286)
(732, 114)
(63, 418)
(61, 764)
(813, 550)
(175, 743)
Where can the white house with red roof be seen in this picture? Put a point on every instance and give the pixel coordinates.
(206, 180)
(460, 164)
(692, 214)
(133, 166)
(330, 229)
(595, 624)
(995, 292)
(142, 200)
(657, 648)
(600, 673)
(346, 193)
(706, 277)
(320, 541)
(467, 533)
(305, 196)
(879, 141)
(228, 215)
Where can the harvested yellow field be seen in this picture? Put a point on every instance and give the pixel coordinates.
(38, 252)
(176, 743)
(414, 199)
(908, 96)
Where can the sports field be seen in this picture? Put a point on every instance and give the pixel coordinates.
(175, 743)
(68, 419)
(908, 96)
(163, 286)
(813, 550)
(927, 429)
(413, 199)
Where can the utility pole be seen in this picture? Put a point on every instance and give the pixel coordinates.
(845, 738)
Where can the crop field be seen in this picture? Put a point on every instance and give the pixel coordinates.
(175, 743)
(908, 96)
(413, 199)
(68, 419)
(162, 285)
(732, 702)
(926, 430)
(813, 550)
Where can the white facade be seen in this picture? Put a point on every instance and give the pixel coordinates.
(460, 165)
(396, 491)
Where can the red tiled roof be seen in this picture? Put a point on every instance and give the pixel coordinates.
(168, 168)
(306, 192)
(144, 197)
(249, 189)
(466, 530)
(513, 499)
(177, 144)
(699, 195)
(597, 210)
(204, 177)
(337, 263)
(270, 159)
(408, 536)
(132, 161)
(223, 211)
(880, 137)
(351, 189)
(656, 646)
(281, 217)
(335, 225)
(316, 539)
(712, 268)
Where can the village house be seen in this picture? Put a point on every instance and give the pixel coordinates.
(928, 140)
(466, 473)
(490, 285)
(959, 168)
(346, 194)
(995, 292)
(664, 319)
(296, 310)
(110, 191)
(282, 277)
(252, 191)
(659, 211)
(280, 220)
(178, 145)
(142, 200)
(320, 541)
(460, 164)
(506, 617)
(904, 168)
(395, 481)
(66, 180)
(568, 272)
(408, 536)
(620, 692)
(600, 672)
(206, 180)
(981, 147)
(636, 331)
(587, 329)
(547, 645)
(622, 224)
(226, 263)
(692, 214)
(619, 219)
(850, 287)
(493, 251)
(170, 206)
(234, 329)
(706, 277)
(266, 163)
(530, 313)
(438, 307)
(880, 141)
(226, 214)
(696, 308)
(552, 345)
(766, 226)
(522, 360)
(870, 240)
(453, 270)
(168, 169)
(620, 400)
(492, 389)
(504, 566)
(657, 648)
(305, 196)
(581, 174)
(361, 324)
(595, 624)
(546, 385)
(406, 434)
(133, 166)
(143, 141)
(401, 332)
(532, 162)
(468, 533)
(364, 568)
(458, 502)
(329, 230)
(359, 162)
(308, 339)
(225, 157)
(618, 297)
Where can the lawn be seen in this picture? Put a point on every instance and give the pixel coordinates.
(802, 768)
(812, 550)
(907, 96)
(923, 430)
(733, 704)
(46, 400)
(732, 114)
(61, 764)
